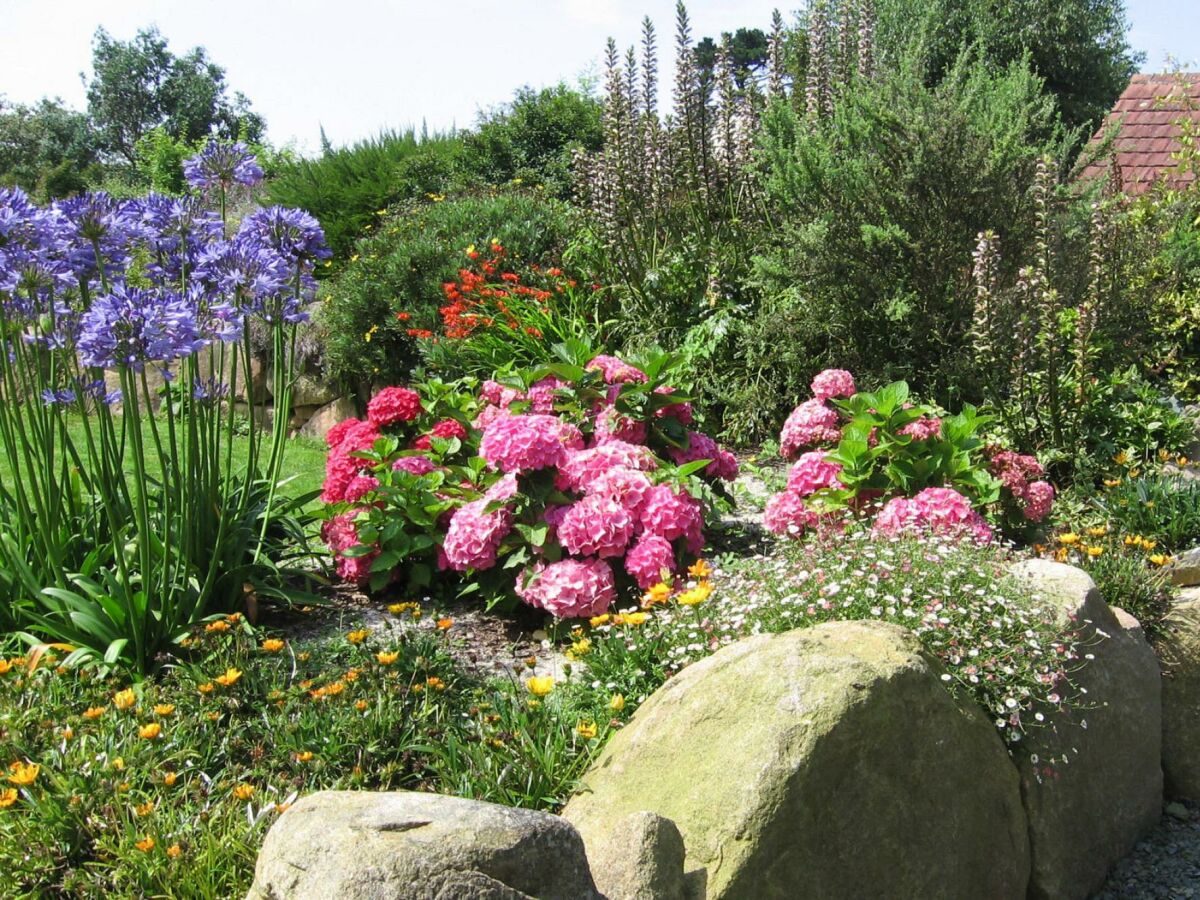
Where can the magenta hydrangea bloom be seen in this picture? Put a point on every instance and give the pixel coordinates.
(724, 464)
(616, 371)
(811, 423)
(341, 534)
(681, 412)
(449, 428)
(923, 429)
(625, 486)
(474, 536)
(542, 394)
(650, 560)
(787, 513)
(504, 489)
(833, 383)
(499, 395)
(359, 487)
(337, 433)
(1038, 500)
(393, 404)
(528, 442)
(582, 467)
(414, 465)
(898, 515)
(672, 515)
(940, 510)
(812, 472)
(612, 426)
(596, 526)
(569, 588)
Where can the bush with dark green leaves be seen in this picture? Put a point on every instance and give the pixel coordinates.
(401, 269)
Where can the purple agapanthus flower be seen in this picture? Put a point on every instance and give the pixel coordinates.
(177, 230)
(97, 221)
(292, 233)
(132, 327)
(221, 165)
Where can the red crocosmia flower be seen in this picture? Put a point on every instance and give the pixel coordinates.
(510, 276)
(403, 316)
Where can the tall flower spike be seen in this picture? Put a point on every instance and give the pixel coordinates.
(866, 38)
(775, 60)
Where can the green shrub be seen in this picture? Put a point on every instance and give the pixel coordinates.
(402, 267)
(1161, 508)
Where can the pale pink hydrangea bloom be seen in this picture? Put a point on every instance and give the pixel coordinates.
(671, 515)
(541, 394)
(650, 560)
(414, 465)
(787, 513)
(616, 371)
(499, 395)
(504, 489)
(474, 536)
(1038, 500)
(724, 464)
(612, 426)
(569, 588)
(581, 467)
(812, 472)
(528, 442)
(681, 412)
(923, 429)
(626, 486)
(833, 383)
(811, 423)
(596, 526)
(941, 510)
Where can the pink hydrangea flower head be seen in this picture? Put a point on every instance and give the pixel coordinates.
(474, 536)
(612, 426)
(341, 534)
(542, 394)
(486, 416)
(359, 436)
(650, 560)
(671, 515)
(356, 569)
(359, 487)
(1039, 498)
(724, 464)
(938, 509)
(811, 423)
(787, 513)
(681, 412)
(812, 472)
(569, 588)
(414, 465)
(623, 485)
(923, 429)
(504, 489)
(898, 515)
(449, 428)
(833, 383)
(393, 404)
(334, 436)
(498, 395)
(596, 526)
(616, 371)
(581, 467)
(528, 442)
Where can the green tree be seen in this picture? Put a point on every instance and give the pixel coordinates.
(45, 147)
(140, 85)
(747, 48)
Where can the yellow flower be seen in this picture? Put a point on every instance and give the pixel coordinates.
(304, 756)
(698, 594)
(230, 677)
(398, 608)
(660, 593)
(144, 809)
(93, 712)
(170, 778)
(387, 658)
(580, 648)
(272, 645)
(1134, 473)
(436, 683)
(124, 699)
(587, 730)
(354, 258)
(220, 625)
(244, 791)
(336, 688)
(5, 665)
(146, 844)
(150, 732)
(1068, 539)
(1163, 455)
(616, 702)
(357, 637)
(174, 851)
(1098, 530)
(1121, 458)
(1149, 545)
(303, 656)
(1093, 552)
(8, 797)
(699, 569)
(281, 808)
(1159, 559)
(636, 618)
(597, 621)
(361, 705)
(68, 732)
(164, 709)
(1111, 482)
(1181, 461)
(206, 688)
(212, 716)
(370, 333)
(118, 764)
(23, 774)
(352, 674)
(1149, 504)
(540, 685)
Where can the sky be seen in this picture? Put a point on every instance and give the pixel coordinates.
(357, 66)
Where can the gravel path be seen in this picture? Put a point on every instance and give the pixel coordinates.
(1164, 866)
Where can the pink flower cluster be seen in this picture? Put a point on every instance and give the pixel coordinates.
(1023, 476)
(833, 383)
(936, 509)
(341, 534)
(811, 423)
(569, 588)
(923, 429)
(475, 535)
(524, 443)
(787, 512)
(724, 464)
(393, 404)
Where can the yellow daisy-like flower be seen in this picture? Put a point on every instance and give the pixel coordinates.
(118, 764)
(23, 774)
(206, 688)
(146, 844)
(1164, 455)
(220, 625)
(304, 756)
(436, 683)
(597, 621)
(124, 699)
(8, 797)
(174, 851)
(1149, 545)
(587, 730)
(150, 731)
(579, 649)
(5, 666)
(1111, 482)
(1068, 539)
(397, 609)
(540, 685)
(164, 709)
(616, 702)
(93, 712)
(1098, 531)
(700, 569)
(170, 778)
(444, 624)
(336, 688)
(1093, 552)
(361, 705)
(144, 809)
(1181, 461)
(272, 645)
(357, 637)
(230, 677)
(695, 595)
(660, 593)
(244, 791)
(636, 618)
(1159, 559)
(1121, 458)
(386, 658)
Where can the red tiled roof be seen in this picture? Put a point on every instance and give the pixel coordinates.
(1147, 119)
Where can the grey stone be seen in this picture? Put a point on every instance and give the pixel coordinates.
(1107, 793)
(352, 845)
(640, 858)
(326, 417)
(1179, 653)
(1185, 568)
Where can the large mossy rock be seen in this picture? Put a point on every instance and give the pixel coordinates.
(352, 845)
(1179, 651)
(1096, 786)
(827, 762)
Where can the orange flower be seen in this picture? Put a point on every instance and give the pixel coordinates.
(93, 712)
(144, 809)
(174, 851)
(361, 705)
(150, 732)
(124, 699)
(206, 688)
(220, 625)
(23, 774)
(164, 709)
(170, 778)
(282, 807)
(146, 844)
(8, 797)
(436, 683)
(444, 624)
(272, 645)
(304, 756)
(386, 659)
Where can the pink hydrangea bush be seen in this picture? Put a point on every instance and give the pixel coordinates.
(569, 486)
(905, 467)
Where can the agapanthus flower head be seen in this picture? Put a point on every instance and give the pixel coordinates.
(616, 371)
(569, 588)
(596, 526)
(392, 405)
(131, 327)
(833, 383)
(292, 233)
(178, 231)
(474, 536)
(524, 443)
(221, 165)
(810, 424)
(257, 278)
(651, 560)
(787, 513)
(96, 220)
(812, 472)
